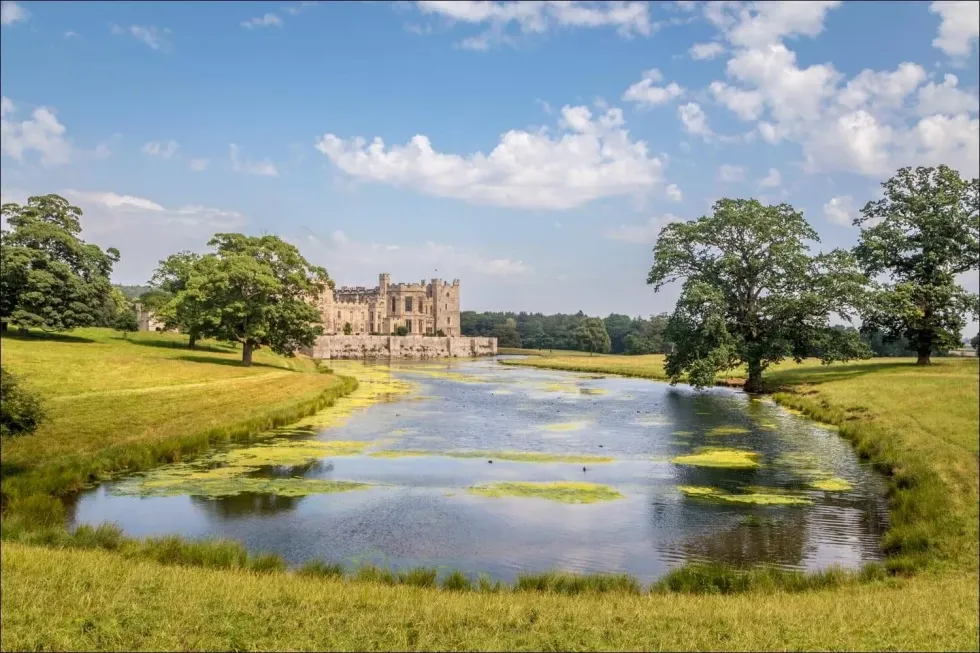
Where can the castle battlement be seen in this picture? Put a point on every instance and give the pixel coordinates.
(421, 308)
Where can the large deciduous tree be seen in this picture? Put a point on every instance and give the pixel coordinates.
(49, 277)
(752, 292)
(183, 312)
(922, 233)
(257, 291)
(592, 336)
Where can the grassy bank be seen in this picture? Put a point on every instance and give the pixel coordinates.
(94, 589)
(119, 404)
(92, 600)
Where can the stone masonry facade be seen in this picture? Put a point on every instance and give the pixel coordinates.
(367, 347)
(423, 308)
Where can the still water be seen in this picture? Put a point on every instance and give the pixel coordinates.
(418, 510)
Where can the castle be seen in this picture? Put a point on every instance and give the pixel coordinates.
(422, 308)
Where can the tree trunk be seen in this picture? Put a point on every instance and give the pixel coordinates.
(246, 354)
(924, 356)
(754, 382)
(3, 327)
(192, 340)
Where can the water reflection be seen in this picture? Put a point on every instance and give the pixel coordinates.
(417, 509)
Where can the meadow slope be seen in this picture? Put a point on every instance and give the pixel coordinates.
(918, 425)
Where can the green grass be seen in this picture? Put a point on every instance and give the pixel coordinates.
(94, 589)
(57, 599)
(124, 404)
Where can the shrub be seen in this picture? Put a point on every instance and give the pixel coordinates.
(401, 331)
(20, 410)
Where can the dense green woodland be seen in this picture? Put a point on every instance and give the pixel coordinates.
(627, 335)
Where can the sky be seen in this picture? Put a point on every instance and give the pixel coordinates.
(531, 149)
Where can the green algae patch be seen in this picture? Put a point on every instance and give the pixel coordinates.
(728, 430)
(726, 458)
(594, 391)
(769, 426)
(513, 456)
(683, 434)
(281, 452)
(564, 492)
(757, 497)
(834, 484)
(183, 478)
(564, 426)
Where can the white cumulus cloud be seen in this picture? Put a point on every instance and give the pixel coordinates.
(11, 12)
(702, 51)
(959, 26)
(628, 18)
(645, 93)
(674, 193)
(41, 134)
(840, 210)
(153, 37)
(693, 120)
(198, 165)
(771, 180)
(593, 157)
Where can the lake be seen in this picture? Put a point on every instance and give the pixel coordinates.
(388, 477)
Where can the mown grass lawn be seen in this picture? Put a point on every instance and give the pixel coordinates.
(918, 424)
(111, 399)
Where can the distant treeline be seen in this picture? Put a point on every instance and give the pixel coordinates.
(627, 335)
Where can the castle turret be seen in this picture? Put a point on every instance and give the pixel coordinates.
(384, 280)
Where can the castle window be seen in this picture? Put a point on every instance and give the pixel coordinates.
(394, 305)
(408, 304)
(408, 325)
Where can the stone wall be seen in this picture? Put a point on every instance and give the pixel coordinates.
(357, 347)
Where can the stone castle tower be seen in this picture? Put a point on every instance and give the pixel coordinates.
(423, 308)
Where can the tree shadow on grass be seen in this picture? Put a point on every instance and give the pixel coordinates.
(835, 372)
(234, 362)
(213, 348)
(45, 336)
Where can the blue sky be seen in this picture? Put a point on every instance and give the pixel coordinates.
(532, 150)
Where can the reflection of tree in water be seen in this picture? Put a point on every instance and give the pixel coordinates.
(752, 541)
(246, 505)
(251, 503)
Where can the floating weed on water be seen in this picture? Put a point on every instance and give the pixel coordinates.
(564, 492)
(834, 484)
(769, 426)
(714, 457)
(560, 387)
(682, 434)
(227, 487)
(563, 426)
(513, 456)
(287, 453)
(728, 430)
(594, 391)
(758, 497)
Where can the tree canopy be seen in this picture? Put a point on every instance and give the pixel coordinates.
(628, 335)
(49, 277)
(255, 290)
(921, 234)
(752, 292)
(183, 311)
(592, 336)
